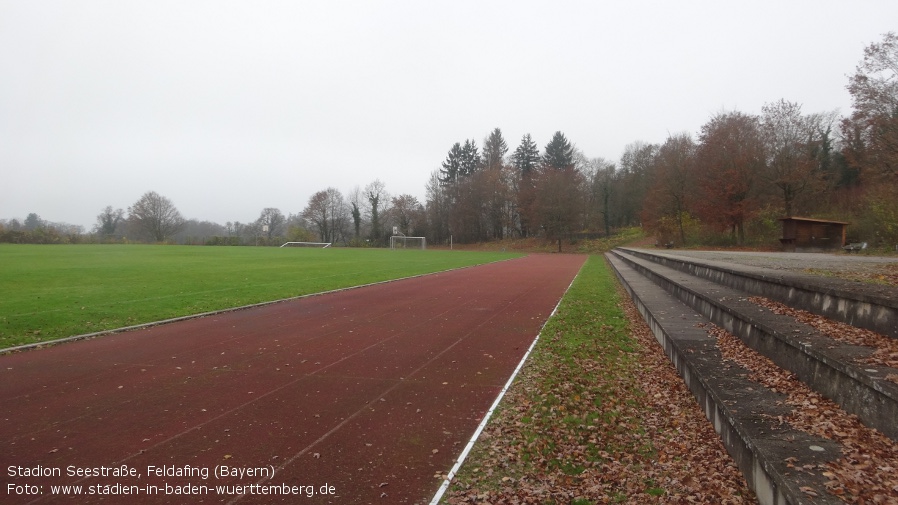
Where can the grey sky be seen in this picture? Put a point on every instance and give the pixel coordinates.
(228, 107)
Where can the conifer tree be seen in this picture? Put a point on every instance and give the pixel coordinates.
(470, 159)
(494, 149)
(451, 170)
(559, 153)
(526, 157)
(526, 162)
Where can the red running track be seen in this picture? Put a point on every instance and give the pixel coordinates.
(366, 394)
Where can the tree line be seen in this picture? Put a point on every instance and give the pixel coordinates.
(743, 172)
(727, 184)
(365, 218)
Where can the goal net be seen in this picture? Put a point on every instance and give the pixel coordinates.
(403, 242)
(320, 245)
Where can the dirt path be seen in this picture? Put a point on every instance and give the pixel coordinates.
(364, 395)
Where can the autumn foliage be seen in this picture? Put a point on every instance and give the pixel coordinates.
(748, 170)
(726, 185)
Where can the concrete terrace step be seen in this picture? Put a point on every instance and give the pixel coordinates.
(742, 412)
(825, 364)
(865, 306)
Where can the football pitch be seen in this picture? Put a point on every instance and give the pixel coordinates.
(52, 292)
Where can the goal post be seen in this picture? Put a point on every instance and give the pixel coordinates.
(320, 245)
(403, 242)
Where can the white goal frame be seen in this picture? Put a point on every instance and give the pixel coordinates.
(402, 242)
(320, 245)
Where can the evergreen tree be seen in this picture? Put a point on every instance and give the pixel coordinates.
(356, 203)
(559, 153)
(356, 218)
(470, 159)
(452, 170)
(33, 222)
(526, 162)
(108, 220)
(494, 149)
(526, 157)
(378, 198)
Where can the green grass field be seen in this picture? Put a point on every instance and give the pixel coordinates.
(51, 292)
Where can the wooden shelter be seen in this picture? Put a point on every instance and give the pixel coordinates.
(804, 234)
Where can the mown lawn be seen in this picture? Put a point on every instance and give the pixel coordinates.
(50, 292)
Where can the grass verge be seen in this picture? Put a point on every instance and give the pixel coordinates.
(598, 415)
(51, 292)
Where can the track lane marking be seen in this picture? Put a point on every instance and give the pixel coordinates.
(399, 382)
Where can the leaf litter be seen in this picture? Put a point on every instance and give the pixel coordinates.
(884, 349)
(601, 426)
(866, 472)
(599, 415)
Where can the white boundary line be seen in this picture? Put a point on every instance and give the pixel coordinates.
(142, 326)
(489, 413)
(325, 244)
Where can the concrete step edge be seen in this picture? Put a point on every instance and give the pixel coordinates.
(833, 298)
(873, 399)
(760, 447)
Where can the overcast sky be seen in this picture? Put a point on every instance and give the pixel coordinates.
(229, 107)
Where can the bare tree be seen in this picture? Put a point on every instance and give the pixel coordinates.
(635, 178)
(557, 201)
(327, 212)
(155, 216)
(873, 125)
(355, 209)
(790, 139)
(668, 203)
(502, 185)
(274, 220)
(408, 214)
(600, 176)
(466, 216)
(438, 205)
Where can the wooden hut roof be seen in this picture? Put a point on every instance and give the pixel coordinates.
(811, 220)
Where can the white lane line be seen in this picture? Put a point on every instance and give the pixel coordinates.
(464, 454)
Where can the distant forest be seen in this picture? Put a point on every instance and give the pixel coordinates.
(726, 185)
